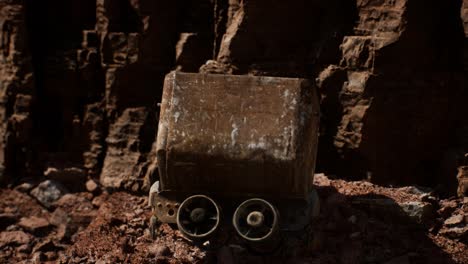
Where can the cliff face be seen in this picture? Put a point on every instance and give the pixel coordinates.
(401, 86)
(81, 80)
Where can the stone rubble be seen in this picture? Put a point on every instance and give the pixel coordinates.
(359, 223)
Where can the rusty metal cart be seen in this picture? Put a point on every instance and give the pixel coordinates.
(238, 151)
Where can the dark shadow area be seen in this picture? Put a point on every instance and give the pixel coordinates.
(63, 85)
(358, 229)
(292, 39)
(373, 229)
(55, 33)
(410, 130)
(196, 28)
(336, 19)
(123, 18)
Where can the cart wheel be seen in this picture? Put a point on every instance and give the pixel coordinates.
(198, 217)
(257, 221)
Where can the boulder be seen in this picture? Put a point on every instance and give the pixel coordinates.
(47, 192)
(418, 211)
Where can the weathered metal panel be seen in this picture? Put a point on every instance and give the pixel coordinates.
(237, 135)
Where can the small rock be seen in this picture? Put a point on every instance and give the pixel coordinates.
(47, 192)
(58, 217)
(454, 232)
(10, 210)
(71, 200)
(135, 187)
(321, 180)
(160, 250)
(14, 238)
(92, 186)
(454, 220)
(24, 187)
(139, 211)
(12, 228)
(418, 211)
(34, 224)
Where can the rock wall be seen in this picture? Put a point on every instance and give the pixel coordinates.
(81, 80)
(16, 91)
(400, 86)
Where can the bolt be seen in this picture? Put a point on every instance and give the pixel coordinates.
(255, 219)
(198, 215)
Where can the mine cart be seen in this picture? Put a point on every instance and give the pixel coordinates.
(238, 152)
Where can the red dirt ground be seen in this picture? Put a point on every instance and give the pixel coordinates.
(359, 223)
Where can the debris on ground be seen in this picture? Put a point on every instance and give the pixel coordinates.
(359, 223)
